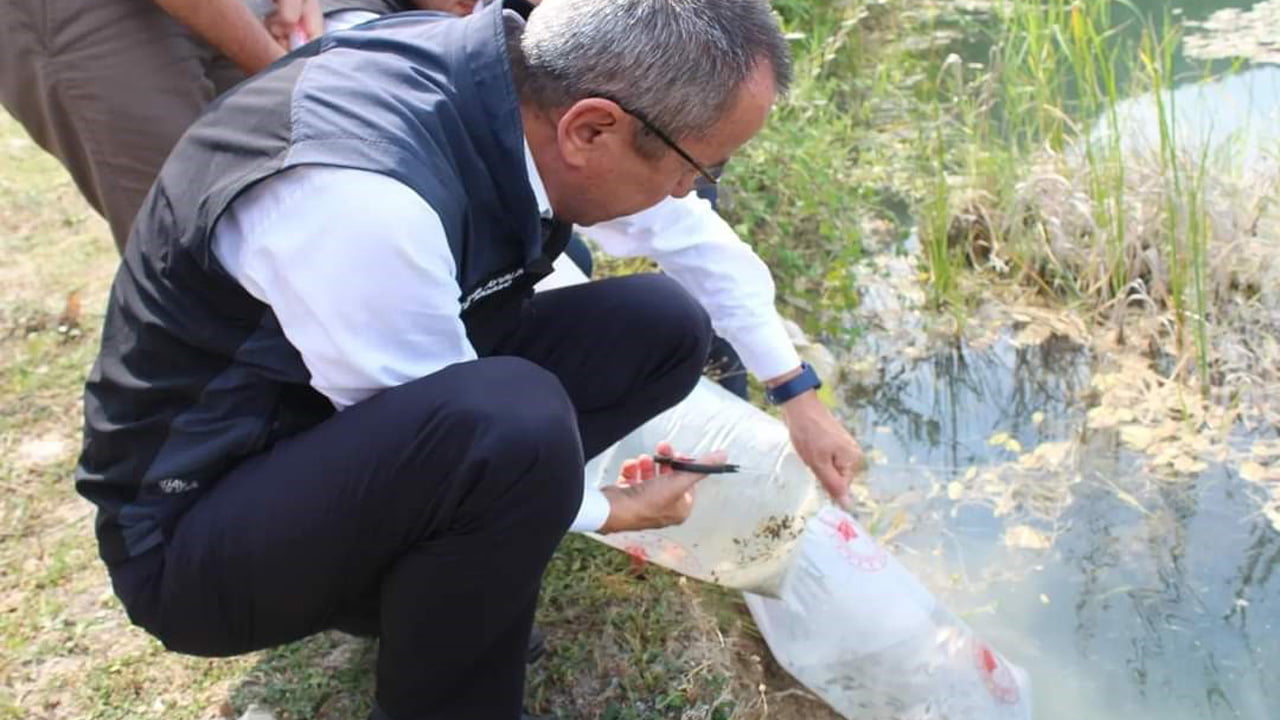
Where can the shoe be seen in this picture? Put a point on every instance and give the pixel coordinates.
(379, 715)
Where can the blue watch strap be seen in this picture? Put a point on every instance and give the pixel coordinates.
(807, 380)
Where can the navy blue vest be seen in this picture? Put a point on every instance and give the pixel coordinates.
(194, 374)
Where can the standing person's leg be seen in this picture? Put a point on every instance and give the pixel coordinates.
(625, 348)
(446, 496)
(106, 86)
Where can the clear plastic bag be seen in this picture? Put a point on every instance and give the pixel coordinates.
(744, 525)
(837, 610)
(856, 627)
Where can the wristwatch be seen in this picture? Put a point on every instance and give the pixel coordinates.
(807, 380)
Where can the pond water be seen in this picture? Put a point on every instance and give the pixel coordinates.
(1126, 595)
(1152, 599)
(1236, 116)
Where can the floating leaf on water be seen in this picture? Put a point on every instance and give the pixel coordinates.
(1006, 441)
(1037, 418)
(971, 473)
(1138, 437)
(1199, 443)
(1004, 505)
(955, 490)
(1272, 513)
(1026, 538)
(1044, 599)
(1252, 471)
(1102, 417)
(1188, 465)
(1235, 33)
(1047, 456)
(1266, 449)
(1168, 429)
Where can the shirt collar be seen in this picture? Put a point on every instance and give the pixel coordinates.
(535, 182)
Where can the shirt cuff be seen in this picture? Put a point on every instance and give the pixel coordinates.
(767, 351)
(593, 513)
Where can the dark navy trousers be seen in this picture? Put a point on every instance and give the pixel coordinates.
(430, 509)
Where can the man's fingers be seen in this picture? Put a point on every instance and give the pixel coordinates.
(646, 466)
(295, 22)
(835, 482)
(628, 472)
(289, 12)
(312, 19)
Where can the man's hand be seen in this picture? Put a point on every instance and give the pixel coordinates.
(824, 445)
(455, 7)
(235, 31)
(650, 496)
(295, 22)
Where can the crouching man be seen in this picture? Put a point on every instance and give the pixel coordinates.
(326, 394)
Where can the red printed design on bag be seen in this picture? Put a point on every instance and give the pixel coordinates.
(638, 555)
(863, 552)
(645, 547)
(995, 674)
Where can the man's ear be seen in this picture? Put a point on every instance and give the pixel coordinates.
(591, 127)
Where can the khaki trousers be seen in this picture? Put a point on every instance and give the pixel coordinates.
(107, 87)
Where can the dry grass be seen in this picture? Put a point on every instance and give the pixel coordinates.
(1048, 238)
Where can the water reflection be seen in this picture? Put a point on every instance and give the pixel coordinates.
(1157, 599)
(941, 411)
(1237, 117)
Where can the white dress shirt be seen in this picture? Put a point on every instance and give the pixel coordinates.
(358, 271)
(343, 19)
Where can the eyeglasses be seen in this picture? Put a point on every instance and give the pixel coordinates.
(710, 174)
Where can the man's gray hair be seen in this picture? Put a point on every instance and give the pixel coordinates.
(679, 63)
